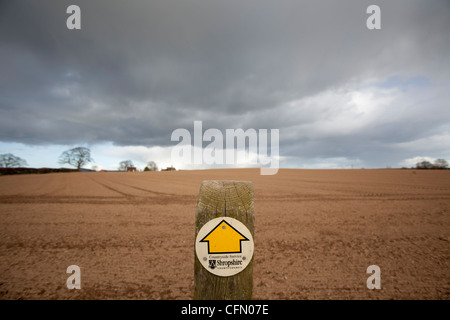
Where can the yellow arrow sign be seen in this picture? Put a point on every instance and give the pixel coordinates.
(224, 239)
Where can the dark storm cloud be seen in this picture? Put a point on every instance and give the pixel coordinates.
(137, 70)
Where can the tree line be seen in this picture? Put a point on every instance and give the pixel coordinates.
(127, 164)
(81, 156)
(438, 164)
(77, 157)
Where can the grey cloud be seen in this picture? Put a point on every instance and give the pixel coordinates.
(139, 69)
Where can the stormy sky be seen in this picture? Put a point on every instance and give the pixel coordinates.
(341, 95)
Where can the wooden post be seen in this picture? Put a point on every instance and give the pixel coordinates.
(217, 199)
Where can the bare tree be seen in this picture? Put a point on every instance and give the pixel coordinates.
(124, 165)
(152, 166)
(440, 164)
(424, 165)
(76, 157)
(8, 160)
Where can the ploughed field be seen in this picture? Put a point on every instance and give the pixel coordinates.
(316, 232)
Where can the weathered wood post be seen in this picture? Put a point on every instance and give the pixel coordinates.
(224, 231)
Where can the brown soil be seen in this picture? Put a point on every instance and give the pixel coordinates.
(316, 232)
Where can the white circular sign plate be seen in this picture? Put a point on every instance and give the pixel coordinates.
(224, 246)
